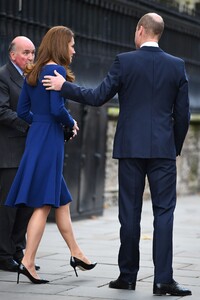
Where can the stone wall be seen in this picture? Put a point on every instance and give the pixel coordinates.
(188, 165)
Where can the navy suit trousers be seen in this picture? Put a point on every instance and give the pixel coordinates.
(161, 174)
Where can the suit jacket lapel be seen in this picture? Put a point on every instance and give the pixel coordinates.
(15, 76)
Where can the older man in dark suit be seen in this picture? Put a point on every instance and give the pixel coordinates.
(153, 121)
(13, 221)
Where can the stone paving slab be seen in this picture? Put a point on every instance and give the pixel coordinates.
(99, 238)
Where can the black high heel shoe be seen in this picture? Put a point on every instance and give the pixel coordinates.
(23, 270)
(75, 262)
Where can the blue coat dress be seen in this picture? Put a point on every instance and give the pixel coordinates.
(39, 180)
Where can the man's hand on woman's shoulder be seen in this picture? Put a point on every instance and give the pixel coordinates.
(53, 82)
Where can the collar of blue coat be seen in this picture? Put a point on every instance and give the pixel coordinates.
(149, 44)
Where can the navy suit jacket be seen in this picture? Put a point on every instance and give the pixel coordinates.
(153, 98)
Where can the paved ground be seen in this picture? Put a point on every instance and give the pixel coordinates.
(98, 237)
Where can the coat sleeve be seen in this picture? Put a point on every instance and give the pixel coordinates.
(57, 105)
(98, 96)
(181, 112)
(24, 105)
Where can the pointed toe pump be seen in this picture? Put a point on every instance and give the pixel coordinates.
(75, 262)
(23, 270)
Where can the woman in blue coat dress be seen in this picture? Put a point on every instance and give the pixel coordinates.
(39, 182)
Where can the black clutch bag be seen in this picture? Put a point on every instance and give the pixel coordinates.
(68, 133)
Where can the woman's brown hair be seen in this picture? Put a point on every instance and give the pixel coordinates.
(54, 47)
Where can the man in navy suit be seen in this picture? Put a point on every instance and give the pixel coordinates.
(153, 121)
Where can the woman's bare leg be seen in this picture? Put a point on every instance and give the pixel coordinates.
(63, 221)
(35, 231)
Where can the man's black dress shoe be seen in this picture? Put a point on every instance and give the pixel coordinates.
(9, 264)
(37, 267)
(173, 289)
(120, 284)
